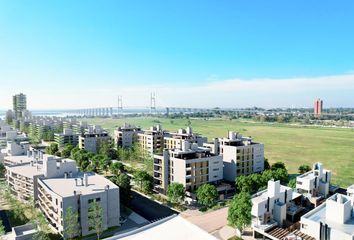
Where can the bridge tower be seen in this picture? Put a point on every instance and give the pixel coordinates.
(152, 103)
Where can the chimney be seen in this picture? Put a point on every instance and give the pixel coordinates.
(86, 179)
(70, 174)
(82, 181)
(75, 181)
(65, 175)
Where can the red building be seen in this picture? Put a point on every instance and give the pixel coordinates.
(318, 107)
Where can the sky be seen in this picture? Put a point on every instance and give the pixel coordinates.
(200, 53)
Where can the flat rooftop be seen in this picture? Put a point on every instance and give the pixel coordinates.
(175, 228)
(319, 215)
(18, 159)
(27, 170)
(263, 195)
(66, 186)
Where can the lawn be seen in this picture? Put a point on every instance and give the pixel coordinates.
(294, 145)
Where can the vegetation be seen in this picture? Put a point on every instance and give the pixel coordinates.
(95, 218)
(2, 170)
(239, 213)
(304, 168)
(123, 181)
(40, 235)
(143, 180)
(71, 224)
(52, 149)
(207, 195)
(176, 192)
(292, 183)
(292, 144)
(2, 229)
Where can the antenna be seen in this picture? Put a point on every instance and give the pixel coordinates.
(152, 103)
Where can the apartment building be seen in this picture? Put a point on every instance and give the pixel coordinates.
(16, 148)
(126, 136)
(151, 141)
(333, 219)
(241, 156)
(23, 177)
(174, 140)
(190, 165)
(67, 137)
(314, 185)
(19, 102)
(78, 190)
(93, 137)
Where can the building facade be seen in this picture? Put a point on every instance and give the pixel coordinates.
(126, 136)
(19, 103)
(67, 137)
(93, 137)
(318, 107)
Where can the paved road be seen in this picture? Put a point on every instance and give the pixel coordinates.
(149, 209)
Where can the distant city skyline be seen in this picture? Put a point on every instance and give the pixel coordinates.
(192, 54)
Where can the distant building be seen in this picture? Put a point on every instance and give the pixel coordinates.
(190, 165)
(93, 137)
(126, 136)
(67, 137)
(333, 219)
(174, 140)
(241, 156)
(151, 141)
(318, 107)
(19, 103)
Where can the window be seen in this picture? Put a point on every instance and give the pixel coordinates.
(216, 169)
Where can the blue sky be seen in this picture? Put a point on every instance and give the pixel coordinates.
(61, 51)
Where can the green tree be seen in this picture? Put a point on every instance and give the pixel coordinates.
(304, 168)
(123, 181)
(243, 183)
(207, 195)
(106, 149)
(278, 165)
(292, 183)
(2, 229)
(65, 153)
(117, 168)
(176, 192)
(95, 218)
(139, 177)
(104, 162)
(71, 224)
(266, 164)
(52, 149)
(40, 235)
(239, 213)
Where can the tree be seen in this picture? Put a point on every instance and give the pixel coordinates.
(266, 164)
(106, 149)
(278, 165)
(239, 213)
(176, 192)
(40, 235)
(207, 195)
(2, 229)
(2, 170)
(95, 218)
(243, 183)
(292, 183)
(65, 153)
(71, 224)
(117, 168)
(140, 177)
(304, 168)
(123, 181)
(52, 149)
(104, 162)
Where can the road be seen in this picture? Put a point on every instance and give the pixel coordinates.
(149, 209)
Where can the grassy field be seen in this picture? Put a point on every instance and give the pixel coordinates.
(294, 145)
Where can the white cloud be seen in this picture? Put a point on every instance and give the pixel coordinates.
(263, 92)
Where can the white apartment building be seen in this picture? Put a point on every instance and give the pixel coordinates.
(333, 219)
(151, 141)
(191, 166)
(269, 207)
(22, 178)
(78, 190)
(92, 138)
(174, 140)
(126, 135)
(66, 137)
(240, 154)
(314, 185)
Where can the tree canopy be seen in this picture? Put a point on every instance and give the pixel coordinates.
(239, 213)
(207, 195)
(176, 192)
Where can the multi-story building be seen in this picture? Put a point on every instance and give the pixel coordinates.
(93, 137)
(126, 135)
(318, 107)
(16, 148)
(151, 141)
(79, 128)
(174, 140)
(23, 177)
(190, 165)
(333, 219)
(67, 137)
(77, 191)
(272, 209)
(55, 184)
(314, 185)
(241, 156)
(19, 103)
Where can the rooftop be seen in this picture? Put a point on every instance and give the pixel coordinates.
(18, 159)
(27, 169)
(66, 186)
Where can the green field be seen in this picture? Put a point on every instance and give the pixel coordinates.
(294, 145)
